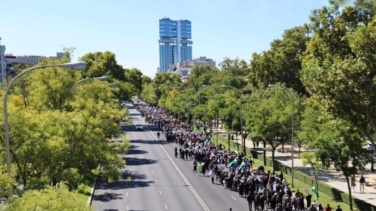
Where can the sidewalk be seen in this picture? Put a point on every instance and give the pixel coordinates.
(331, 177)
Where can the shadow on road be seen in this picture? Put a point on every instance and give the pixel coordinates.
(105, 197)
(131, 161)
(134, 151)
(149, 142)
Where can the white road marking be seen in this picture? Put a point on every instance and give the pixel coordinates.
(165, 206)
(152, 172)
(156, 181)
(206, 208)
(126, 193)
(160, 192)
(233, 197)
(127, 207)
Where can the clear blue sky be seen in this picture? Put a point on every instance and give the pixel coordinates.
(129, 28)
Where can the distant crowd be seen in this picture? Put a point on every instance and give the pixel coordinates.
(234, 171)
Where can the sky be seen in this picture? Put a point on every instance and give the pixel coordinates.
(130, 28)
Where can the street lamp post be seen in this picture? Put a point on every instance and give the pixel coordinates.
(101, 78)
(228, 140)
(217, 127)
(291, 95)
(74, 65)
(244, 137)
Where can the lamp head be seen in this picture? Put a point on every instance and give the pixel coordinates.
(102, 78)
(80, 65)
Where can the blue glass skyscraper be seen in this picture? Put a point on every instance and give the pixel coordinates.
(175, 44)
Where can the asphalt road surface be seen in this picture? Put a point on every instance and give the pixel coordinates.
(154, 180)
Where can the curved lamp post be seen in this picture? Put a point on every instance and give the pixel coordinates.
(291, 95)
(101, 78)
(74, 65)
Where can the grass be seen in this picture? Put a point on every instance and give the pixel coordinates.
(83, 192)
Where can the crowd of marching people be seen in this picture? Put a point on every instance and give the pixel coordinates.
(263, 190)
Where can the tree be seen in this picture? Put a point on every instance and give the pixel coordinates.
(134, 77)
(339, 56)
(338, 145)
(51, 144)
(309, 158)
(164, 82)
(49, 89)
(102, 63)
(50, 198)
(148, 94)
(201, 75)
(282, 63)
(268, 116)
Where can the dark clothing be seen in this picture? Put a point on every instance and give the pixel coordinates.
(309, 198)
(194, 166)
(250, 199)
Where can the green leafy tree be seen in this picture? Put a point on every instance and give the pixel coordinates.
(339, 65)
(339, 144)
(50, 198)
(134, 77)
(163, 82)
(201, 75)
(268, 116)
(102, 63)
(148, 94)
(309, 158)
(282, 63)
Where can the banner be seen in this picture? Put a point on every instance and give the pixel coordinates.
(314, 190)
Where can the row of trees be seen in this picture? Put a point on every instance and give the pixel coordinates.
(59, 130)
(325, 68)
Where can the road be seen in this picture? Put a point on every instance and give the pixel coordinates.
(159, 181)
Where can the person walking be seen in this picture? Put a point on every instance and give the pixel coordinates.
(250, 199)
(362, 181)
(194, 166)
(212, 176)
(339, 208)
(176, 152)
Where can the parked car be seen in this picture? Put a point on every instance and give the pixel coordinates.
(139, 127)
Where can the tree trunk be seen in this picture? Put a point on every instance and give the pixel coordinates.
(349, 188)
(273, 160)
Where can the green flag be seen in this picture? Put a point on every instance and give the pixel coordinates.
(233, 162)
(314, 190)
(241, 165)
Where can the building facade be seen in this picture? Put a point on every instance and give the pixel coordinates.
(7, 60)
(175, 44)
(2, 63)
(185, 68)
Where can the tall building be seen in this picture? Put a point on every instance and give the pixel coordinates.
(2, 63)
(175, 44)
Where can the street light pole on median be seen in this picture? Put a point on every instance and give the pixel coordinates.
(74, 65)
